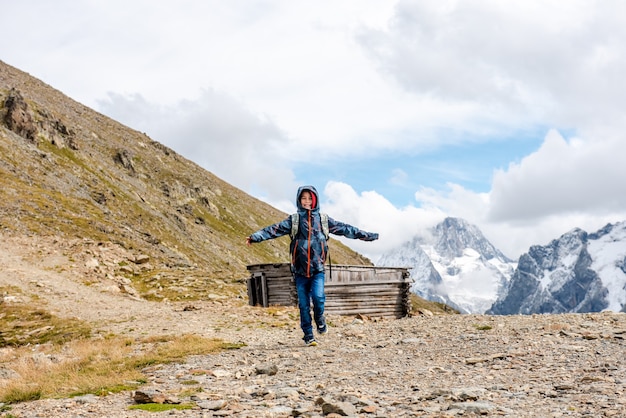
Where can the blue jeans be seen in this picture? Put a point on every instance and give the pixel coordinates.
(311, 289)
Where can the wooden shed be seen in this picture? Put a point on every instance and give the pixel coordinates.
(350, 290)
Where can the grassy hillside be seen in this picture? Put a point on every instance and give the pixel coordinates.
(70, 172)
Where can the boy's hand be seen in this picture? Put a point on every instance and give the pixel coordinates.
(370, 237)
(248, 242)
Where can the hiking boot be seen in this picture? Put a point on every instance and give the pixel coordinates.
(310, 341)
(323, 329)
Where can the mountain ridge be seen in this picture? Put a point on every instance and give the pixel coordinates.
(577, 272)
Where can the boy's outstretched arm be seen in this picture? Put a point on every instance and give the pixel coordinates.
(270, 232)
(349, 231)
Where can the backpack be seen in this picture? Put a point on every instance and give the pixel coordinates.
(295, 223)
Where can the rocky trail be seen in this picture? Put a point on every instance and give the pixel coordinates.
(568, 365)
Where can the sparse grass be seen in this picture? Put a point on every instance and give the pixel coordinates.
(233, 346)
(280, 324)
(161, 284)
(482, 327)
(418, 303)
(22, 324)
(187, 393)
(53, 357)
(159, 407)
(99, 367)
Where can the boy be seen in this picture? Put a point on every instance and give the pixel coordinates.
(308, 254)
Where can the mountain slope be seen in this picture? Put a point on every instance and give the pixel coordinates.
(454, 264)
(70, 172)
(578, 272)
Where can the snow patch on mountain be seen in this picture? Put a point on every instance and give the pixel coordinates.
(470, 281)
(608, 253)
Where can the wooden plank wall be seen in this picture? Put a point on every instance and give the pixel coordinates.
(350, 290)
(278, 286)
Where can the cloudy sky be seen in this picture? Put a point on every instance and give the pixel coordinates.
(511, 115)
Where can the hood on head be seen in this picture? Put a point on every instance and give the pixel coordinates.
(313, 192)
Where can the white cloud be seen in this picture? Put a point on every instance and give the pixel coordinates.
(545, 62)
(562, 177)
(218, 133)
(371, 212)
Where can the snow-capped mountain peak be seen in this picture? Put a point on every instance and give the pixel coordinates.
(454, 236)
(455, 264)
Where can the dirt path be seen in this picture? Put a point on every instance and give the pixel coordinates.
(47, 275)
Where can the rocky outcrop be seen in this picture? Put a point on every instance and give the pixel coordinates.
(33, 126)
(18, 117)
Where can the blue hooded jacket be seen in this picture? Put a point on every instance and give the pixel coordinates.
(309, 248)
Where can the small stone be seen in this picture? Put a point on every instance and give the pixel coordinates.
(269, 370)
(141, 259)
(212, 405)
(221, 373)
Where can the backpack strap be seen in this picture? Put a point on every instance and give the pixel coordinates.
(295, 223)
(325, 229)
